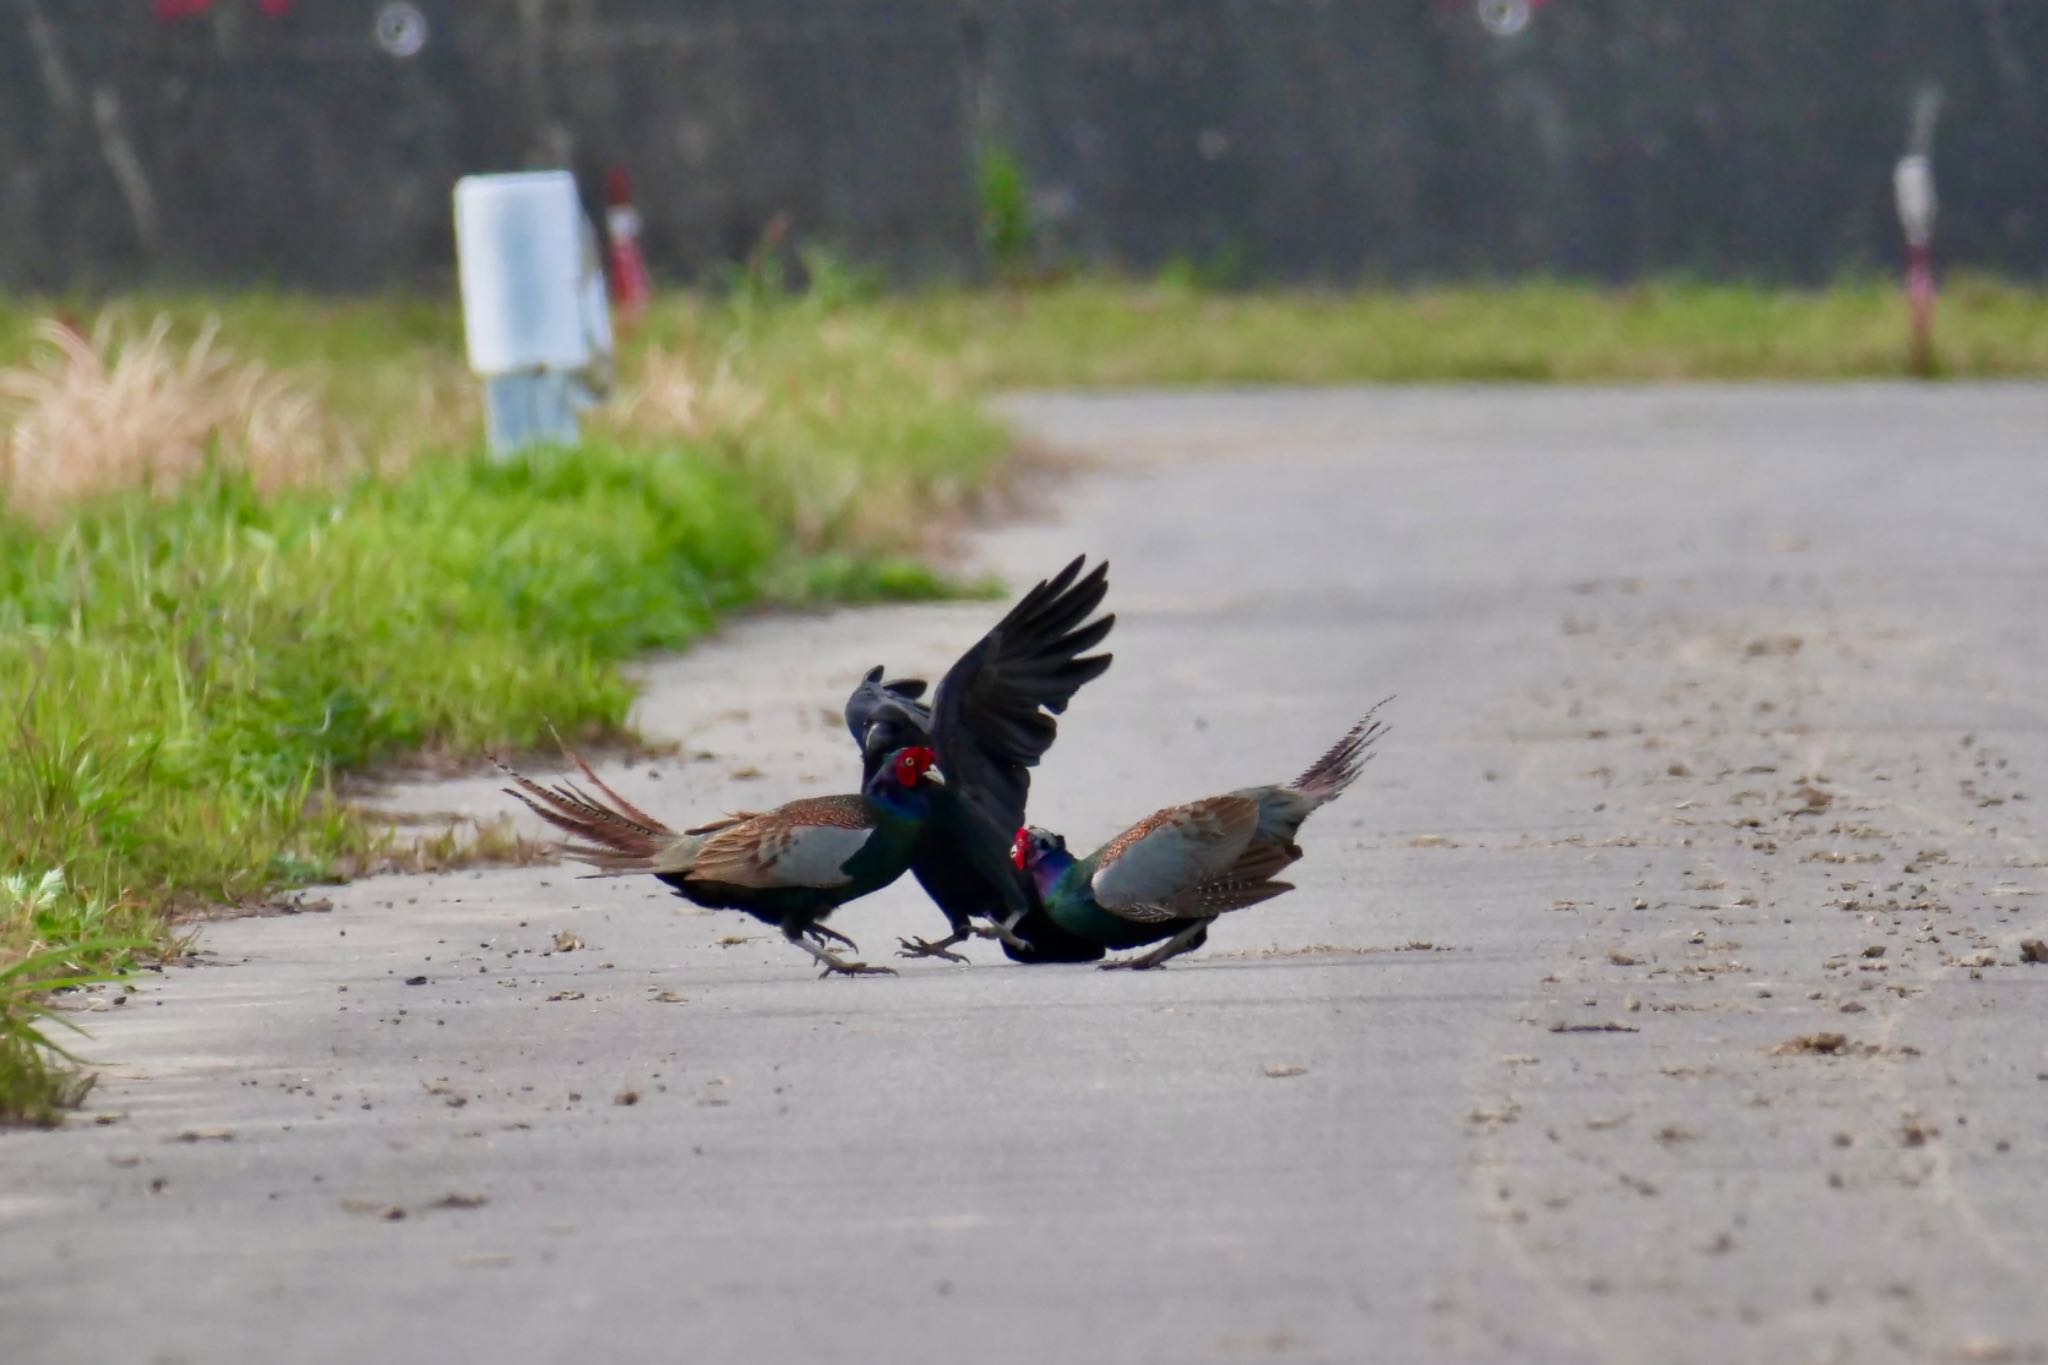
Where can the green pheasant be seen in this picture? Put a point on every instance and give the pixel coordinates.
(789, 867)
(1166, 878)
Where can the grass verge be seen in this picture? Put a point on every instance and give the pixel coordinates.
(1094, 333)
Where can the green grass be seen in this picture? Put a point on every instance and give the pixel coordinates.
(36, 1084)
(1094, 333)
(184, 678)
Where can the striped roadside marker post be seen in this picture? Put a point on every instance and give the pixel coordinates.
(1913, 192)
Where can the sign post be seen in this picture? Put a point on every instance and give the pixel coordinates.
(1913, 191)
(533, 308)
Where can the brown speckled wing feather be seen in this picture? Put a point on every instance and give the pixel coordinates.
(1168, 853)
(805, 843)
(1245, 882)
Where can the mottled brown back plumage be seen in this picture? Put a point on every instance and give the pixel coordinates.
(1214, 819)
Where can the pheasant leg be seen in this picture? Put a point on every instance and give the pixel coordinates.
(829, 960)
(918, 947)
(821, 933)
(1180, 943)
(1006, 930)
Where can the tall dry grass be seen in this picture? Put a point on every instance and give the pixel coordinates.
(847, 431)
(115, 409)
(670, 393)
(802, 402)
(697, 396)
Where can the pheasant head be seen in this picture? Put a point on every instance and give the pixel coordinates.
(1041, 855)
(906, 780)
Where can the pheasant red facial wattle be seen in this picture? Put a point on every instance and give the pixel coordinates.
(913, 763)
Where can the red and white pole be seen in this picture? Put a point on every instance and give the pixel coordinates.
(632, 287)
(1913, 187)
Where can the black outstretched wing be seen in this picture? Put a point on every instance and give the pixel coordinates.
(885, 717)
(991, 719)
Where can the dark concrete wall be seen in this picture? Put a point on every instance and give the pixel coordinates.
(1299, 138)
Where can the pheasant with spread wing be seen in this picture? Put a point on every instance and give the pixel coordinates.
(990, 722)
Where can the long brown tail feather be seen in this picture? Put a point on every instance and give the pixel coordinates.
(620, 804)
(619, 837)
(1325, 779)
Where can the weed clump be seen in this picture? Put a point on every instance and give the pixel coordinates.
(102, 412)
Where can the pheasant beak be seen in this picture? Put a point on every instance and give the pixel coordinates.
(935, 777)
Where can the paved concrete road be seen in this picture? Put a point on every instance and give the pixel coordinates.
(1720, 727)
